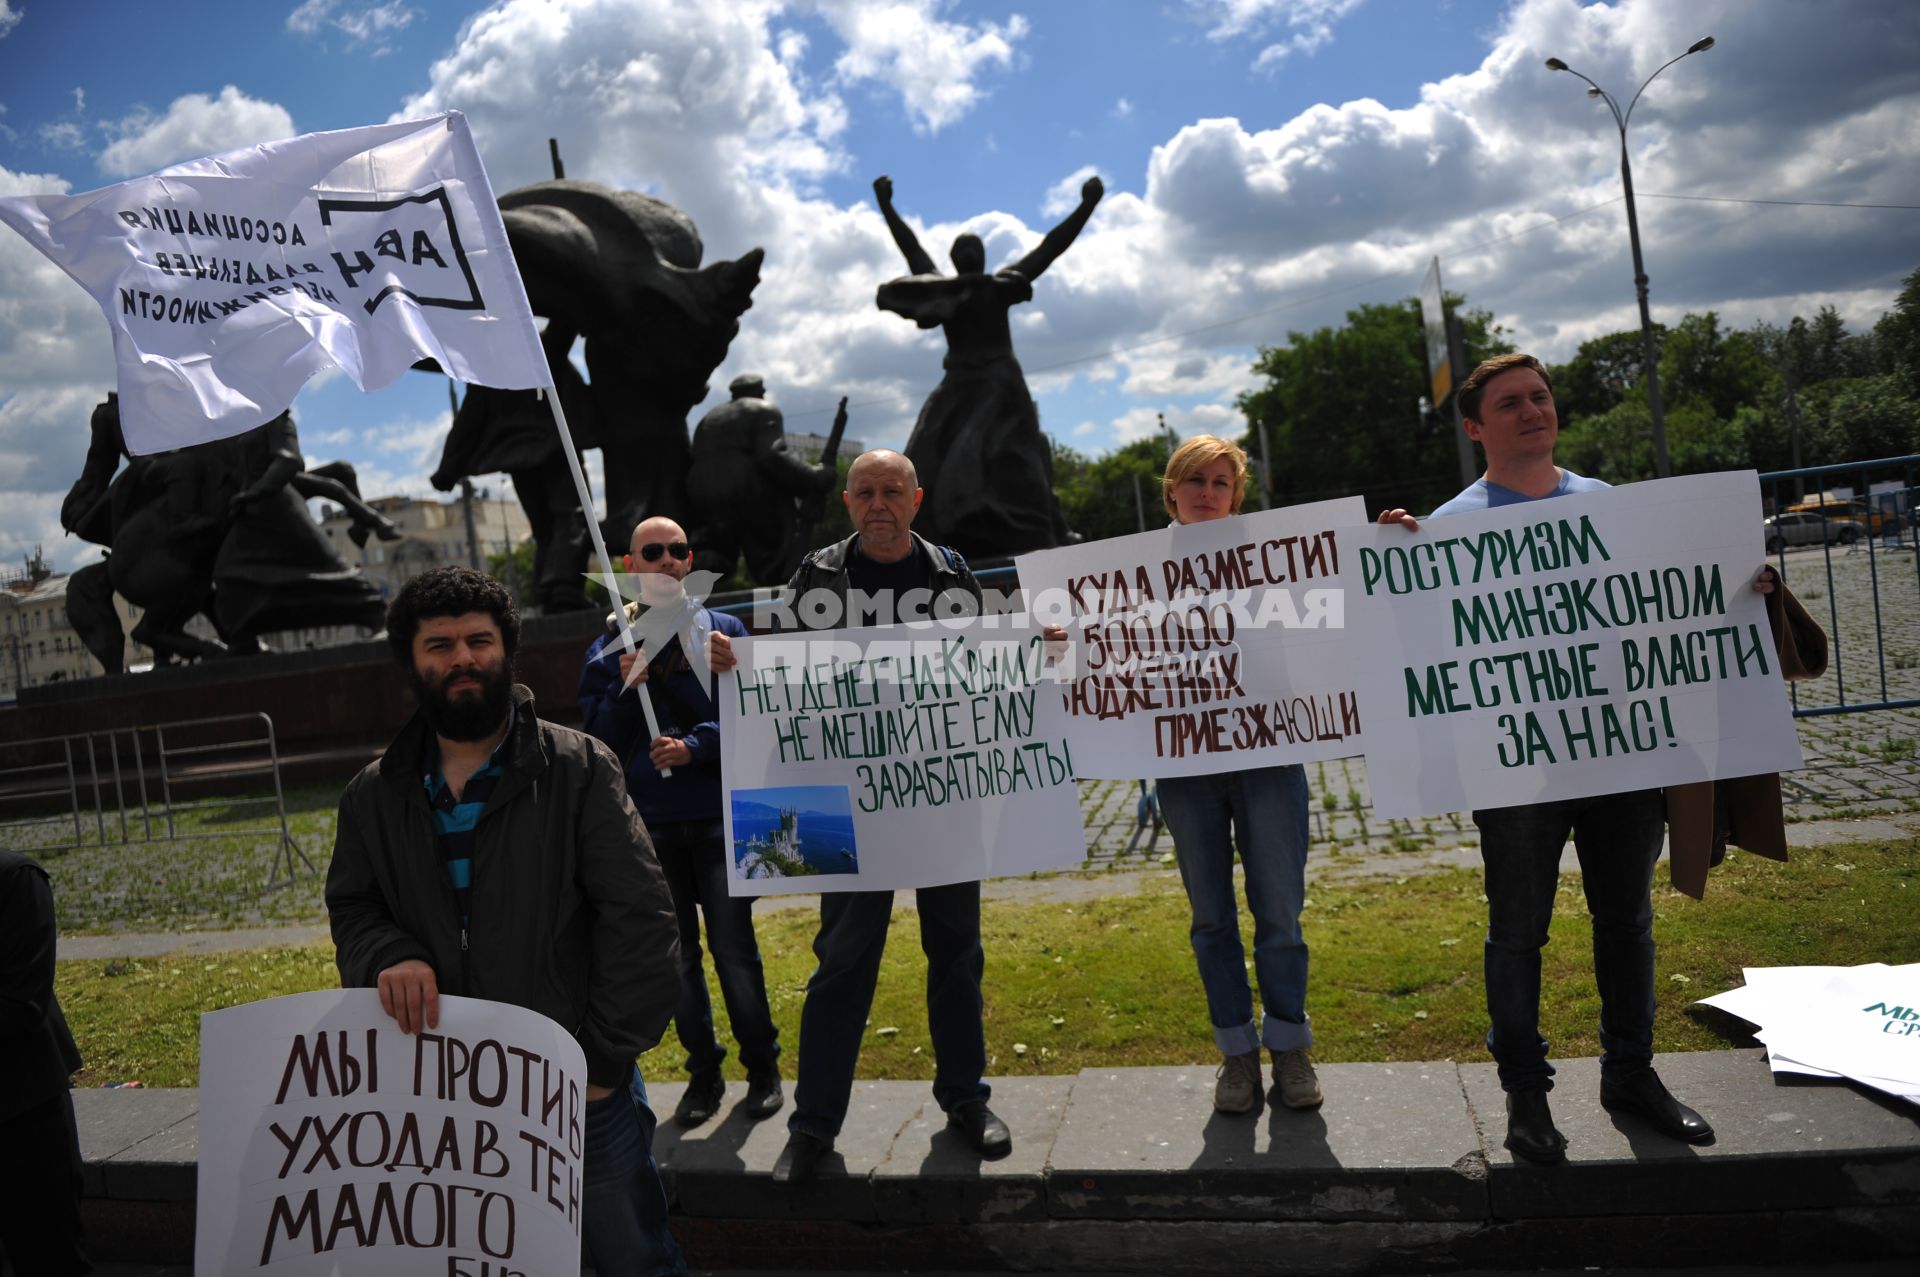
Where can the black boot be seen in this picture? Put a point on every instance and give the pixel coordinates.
(1530, 1130)
(1643, 1093)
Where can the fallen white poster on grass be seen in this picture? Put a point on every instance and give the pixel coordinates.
(1208, 647)
(1863, 1023)
(1591, 644)
(1859, 1022)
(330, 1142)
(1769, 990)
(895, 756)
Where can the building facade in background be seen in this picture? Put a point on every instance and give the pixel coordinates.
(432, 533)
(808, 447)
(37, 645)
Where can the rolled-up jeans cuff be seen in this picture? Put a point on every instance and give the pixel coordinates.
(1237, 1039)
(1285, 1035)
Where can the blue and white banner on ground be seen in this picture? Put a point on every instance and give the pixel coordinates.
(330, 1142)
(1592, 644)
(1205, 648)
(228, 282)
(895, 756)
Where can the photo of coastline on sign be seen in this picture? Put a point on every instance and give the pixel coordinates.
(794, 831)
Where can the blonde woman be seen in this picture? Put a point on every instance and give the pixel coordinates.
(1261, 812)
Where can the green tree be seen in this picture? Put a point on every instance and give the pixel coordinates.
(1897, 338)
(1863, 418)
(1615, 446)
(1600, 375)
(1776, 426)
(513, 568)
(1117, 493)
(1340, 409)
(1703, 365)
(1836, 352)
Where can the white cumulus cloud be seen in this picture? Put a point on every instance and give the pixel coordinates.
(1304, 26)
(1222, 237)
(360, 23)
(193, 126)
(932, 63)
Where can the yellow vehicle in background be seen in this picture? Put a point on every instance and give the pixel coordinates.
(1869, 518)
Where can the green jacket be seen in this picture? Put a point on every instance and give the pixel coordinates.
(571, 916)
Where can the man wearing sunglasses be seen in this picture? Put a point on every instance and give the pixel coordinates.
(683, 815)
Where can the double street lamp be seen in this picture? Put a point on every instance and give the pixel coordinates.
(1651, 357)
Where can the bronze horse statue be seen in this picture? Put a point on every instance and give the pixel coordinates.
(219, 528)
(622, 271)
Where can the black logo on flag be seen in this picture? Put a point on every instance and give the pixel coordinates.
(414, 250)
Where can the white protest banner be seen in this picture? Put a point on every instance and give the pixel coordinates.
(230, 281)
(895, 756)
(1819, 1010)
(330, 1142)
(1591, 644)
(1207, 647)
(1863, 1023)
(1767, 989)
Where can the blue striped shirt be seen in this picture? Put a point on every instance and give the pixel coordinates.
(455, 817)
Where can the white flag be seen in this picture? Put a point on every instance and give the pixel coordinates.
(228, 282)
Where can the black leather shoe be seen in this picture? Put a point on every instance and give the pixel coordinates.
(701, 1099)
(987, 1133)
(764, 1095)
(1644, 1094)
(1530, 1130)
(800, 1158)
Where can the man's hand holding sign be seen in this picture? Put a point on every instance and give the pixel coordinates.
(1551, 653)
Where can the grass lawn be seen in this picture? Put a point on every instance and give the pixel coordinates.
(1396, 972)
(213, 877)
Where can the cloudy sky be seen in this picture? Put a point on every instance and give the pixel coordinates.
(1269, 164)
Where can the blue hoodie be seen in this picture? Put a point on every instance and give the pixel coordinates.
(683, 701)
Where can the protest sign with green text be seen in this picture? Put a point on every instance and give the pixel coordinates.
(1592, 644)
(895, 756)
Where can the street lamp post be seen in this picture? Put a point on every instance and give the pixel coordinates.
(1662, 466)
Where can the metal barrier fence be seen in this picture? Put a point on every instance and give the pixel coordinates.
(105, 783)
(1877, 525)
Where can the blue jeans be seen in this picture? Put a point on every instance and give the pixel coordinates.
(623, 1220)
(693, 856)
(1263, 811)
(1617, 837)
(853, 934)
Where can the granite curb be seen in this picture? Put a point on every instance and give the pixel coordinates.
(1129, 1170)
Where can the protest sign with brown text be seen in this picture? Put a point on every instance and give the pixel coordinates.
(332, 1142)
(1205, 648)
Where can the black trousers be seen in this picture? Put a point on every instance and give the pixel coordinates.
(40, 1190)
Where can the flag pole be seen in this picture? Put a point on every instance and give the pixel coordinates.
(552, 394)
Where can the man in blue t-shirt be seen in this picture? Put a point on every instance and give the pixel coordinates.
(1506, 406)
(683, 816)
